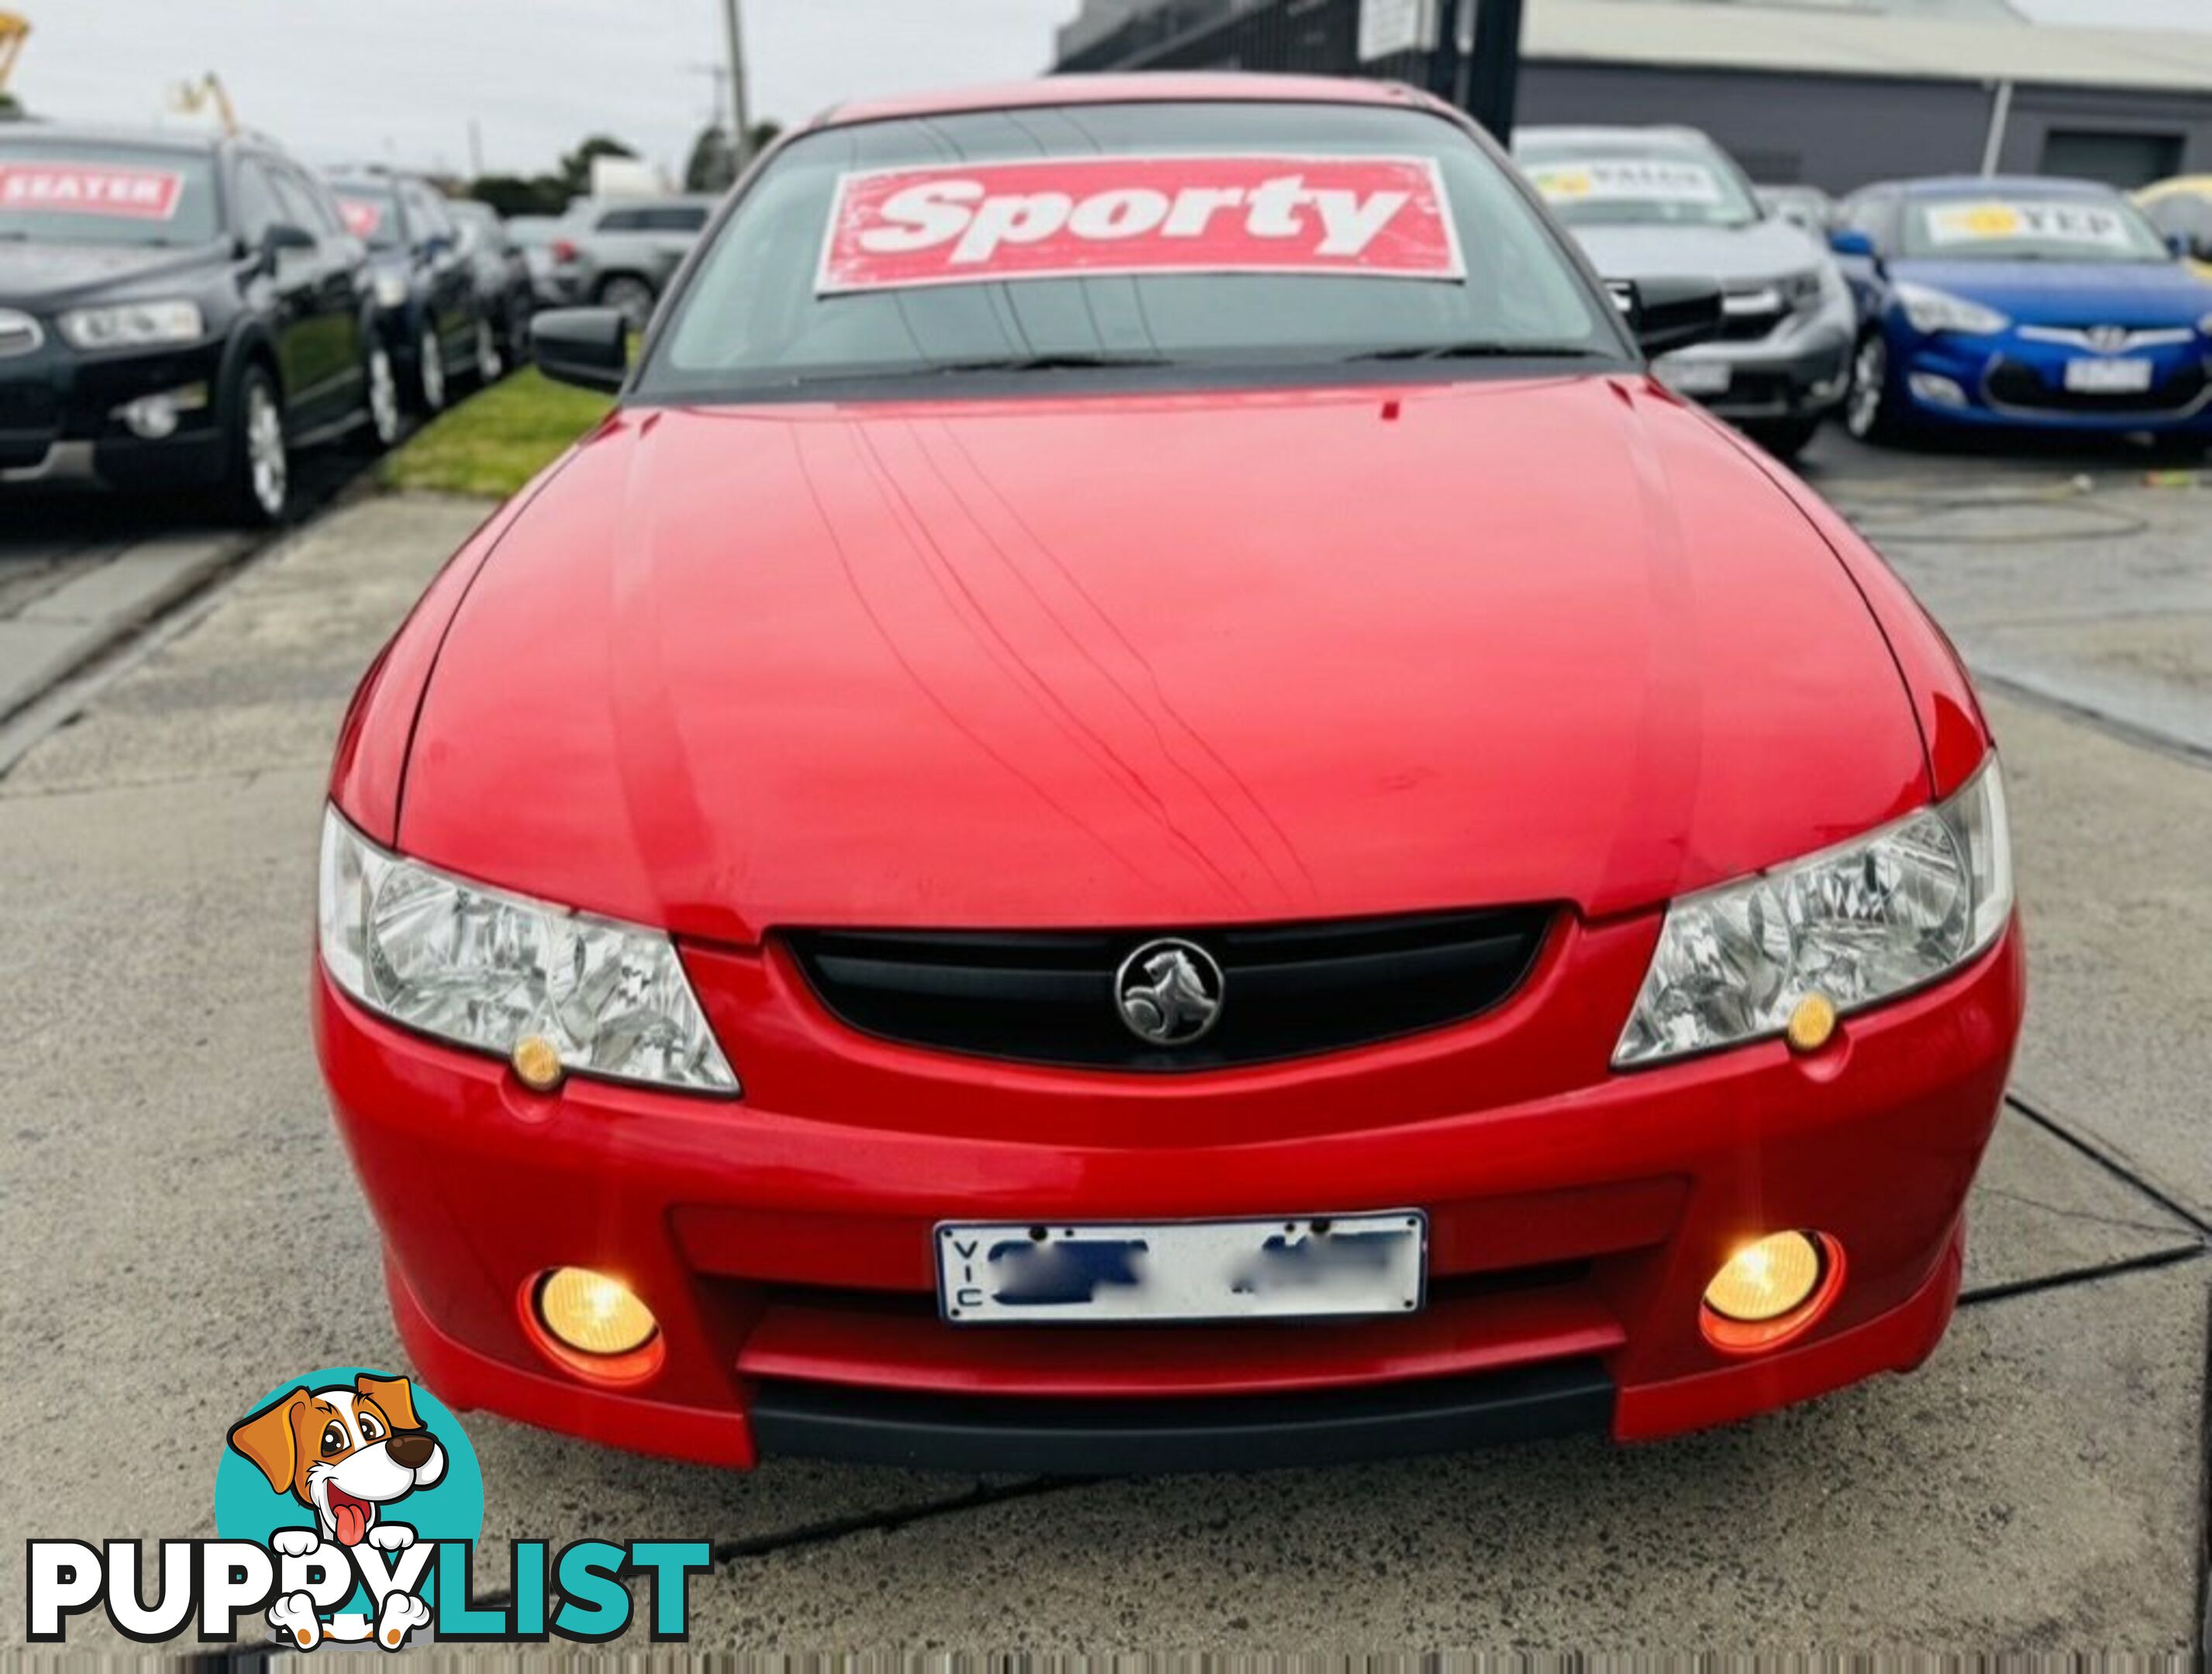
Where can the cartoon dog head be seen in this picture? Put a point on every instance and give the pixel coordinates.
(344, 1452)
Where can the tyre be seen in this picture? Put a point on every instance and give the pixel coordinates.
(1870, 407)
(257, 477)
(381, 387)
(1785, 438)
(429, 371)
(490, 358)
(518, 333)
(629, 294)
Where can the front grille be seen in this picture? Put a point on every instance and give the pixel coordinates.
(2015, 384)
(18, 333)
(1288, 990)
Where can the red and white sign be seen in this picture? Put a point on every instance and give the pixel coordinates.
(361, 217)
(1076, 217)
(90, 189)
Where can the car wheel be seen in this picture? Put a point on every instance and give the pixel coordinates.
(430, 371)
(491, 362)
(1869, 413)
(257, 488)
(631, 295)
(382, 385)
(1785, 438)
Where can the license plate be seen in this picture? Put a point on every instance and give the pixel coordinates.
(1694, 377)
(1330, 1266)
(2108, 377)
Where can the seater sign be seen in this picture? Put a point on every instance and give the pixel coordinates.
(90, 189)
(1076, 217)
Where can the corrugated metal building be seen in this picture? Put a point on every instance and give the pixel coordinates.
(1834, 92)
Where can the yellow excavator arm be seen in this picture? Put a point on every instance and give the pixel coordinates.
(193, 97)
(14, 31)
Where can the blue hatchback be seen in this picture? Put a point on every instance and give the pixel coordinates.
(2047, 304)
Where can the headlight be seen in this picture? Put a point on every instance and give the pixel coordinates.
(1861, 923)
(133, 324)
(390, 290)
(1932, 311)
(486, 969)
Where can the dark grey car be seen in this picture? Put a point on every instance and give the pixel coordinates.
(1667, 202)
(620, 252)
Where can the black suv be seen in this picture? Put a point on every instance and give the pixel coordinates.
(178, 312)
(425, 284)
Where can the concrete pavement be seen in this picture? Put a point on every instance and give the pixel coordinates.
(179, 1215)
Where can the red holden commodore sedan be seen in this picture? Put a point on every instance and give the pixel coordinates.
(1147, 805)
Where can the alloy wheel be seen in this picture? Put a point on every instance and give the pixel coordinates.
(383, 397)
(268, 471)
(431, 360)
(1863, 413)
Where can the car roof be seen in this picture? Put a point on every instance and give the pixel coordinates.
(158, 139)
(1149, 87)
(1952, 185)
(1659, 136)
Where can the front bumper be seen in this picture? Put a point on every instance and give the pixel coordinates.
(1799, 371)
(60, 423)
(2012, 382)
(785, 1246)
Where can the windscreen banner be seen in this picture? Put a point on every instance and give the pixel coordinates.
(1081, 217)
(90, 189)
(1627, 181)
(1997, 221)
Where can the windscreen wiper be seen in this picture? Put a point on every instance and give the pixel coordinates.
(1485, 350)
(1057, 361)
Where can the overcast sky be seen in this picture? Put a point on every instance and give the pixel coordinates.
(399, 80)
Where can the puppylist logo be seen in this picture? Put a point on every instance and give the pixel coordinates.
(346, 1507)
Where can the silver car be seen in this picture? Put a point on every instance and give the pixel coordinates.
(1668, 203)
(620, 252)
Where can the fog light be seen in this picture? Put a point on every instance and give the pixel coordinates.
(592, 1313)
(154, 417)
(1936, 390)
(151, 416)
(1765, 1281)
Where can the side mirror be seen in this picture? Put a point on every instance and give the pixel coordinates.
(1851, 241)
(2181, 244)
(280, 236)
(586, 347)
(1668, 314)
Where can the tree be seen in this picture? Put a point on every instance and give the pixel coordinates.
(576, 167)
(513, 195)
(710, 166)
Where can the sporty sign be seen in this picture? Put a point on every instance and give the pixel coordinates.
(90, 189)
(1060, 217)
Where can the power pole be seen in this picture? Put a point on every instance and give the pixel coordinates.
(740, 121)
(1494, 67)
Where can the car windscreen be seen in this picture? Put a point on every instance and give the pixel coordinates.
(371, 209)
(1186, 234)
(1591, 184)
(62, 191)
(2025, 226)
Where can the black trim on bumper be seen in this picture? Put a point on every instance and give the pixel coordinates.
(1139, 1435)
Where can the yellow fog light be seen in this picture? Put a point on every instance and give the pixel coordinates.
(537, 1064)
(1812, 1021)
(594, 1314)
(1766, 1280)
